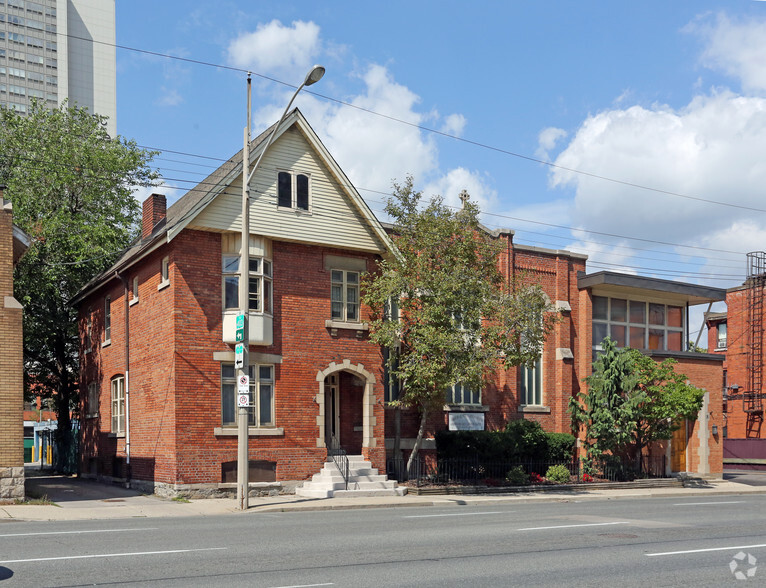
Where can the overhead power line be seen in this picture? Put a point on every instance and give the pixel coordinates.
(445, 134)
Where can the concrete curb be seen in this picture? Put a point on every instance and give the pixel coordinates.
(143, 506)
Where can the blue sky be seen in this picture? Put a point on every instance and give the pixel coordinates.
(655, 94)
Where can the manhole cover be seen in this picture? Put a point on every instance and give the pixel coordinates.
(619, 535)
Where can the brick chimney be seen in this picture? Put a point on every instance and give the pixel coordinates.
(155, 209)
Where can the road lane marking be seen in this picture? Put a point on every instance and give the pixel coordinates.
(574, 526)
(704, 550)
(454, 514)
(79, 532)
(705, 503)
(99, 555)
(306, 585)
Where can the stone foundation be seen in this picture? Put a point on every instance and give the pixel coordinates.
(196, 491)
(12, 483)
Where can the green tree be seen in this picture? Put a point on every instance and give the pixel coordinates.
(458, 317)
(71, 186)
(631, 401)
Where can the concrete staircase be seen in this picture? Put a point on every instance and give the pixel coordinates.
(363, 480)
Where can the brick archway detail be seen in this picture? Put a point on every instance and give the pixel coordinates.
(368, 401)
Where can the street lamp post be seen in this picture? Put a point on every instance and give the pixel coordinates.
(312, 77)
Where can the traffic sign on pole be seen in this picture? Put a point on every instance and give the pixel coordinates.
(243, 384)
(243, 400)
(240, 333)
(239, 356)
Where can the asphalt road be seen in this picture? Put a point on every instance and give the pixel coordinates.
(689, 541)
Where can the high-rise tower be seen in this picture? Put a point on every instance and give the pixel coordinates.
(58, 49)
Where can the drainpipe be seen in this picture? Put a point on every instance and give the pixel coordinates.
(126, 289)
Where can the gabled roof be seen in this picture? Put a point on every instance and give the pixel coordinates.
(191, 204)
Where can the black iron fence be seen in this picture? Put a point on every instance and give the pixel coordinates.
(475, 472)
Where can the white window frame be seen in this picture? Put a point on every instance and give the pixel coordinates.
(646, 325)
(532, 395)
(260, 384)
(721, 332)
(107, 320)
(294, 191)
(164, 273)
(92, 400)
(341, 313)
(118, 405)
(134, 291)
(260, 285)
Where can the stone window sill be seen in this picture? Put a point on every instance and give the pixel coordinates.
(133, 302)
(163, 285)
(251, 432)
(335, 326)
(534, 409)
(116, 435)
(106, 343)
(465, 408)
(92, 415)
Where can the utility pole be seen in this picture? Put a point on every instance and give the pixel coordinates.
(243, 320)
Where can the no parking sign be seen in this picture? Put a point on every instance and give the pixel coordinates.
(243, 390)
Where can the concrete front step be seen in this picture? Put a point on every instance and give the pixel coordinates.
(364, 480)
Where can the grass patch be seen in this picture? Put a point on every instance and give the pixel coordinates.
(180, 499)
(34, 498)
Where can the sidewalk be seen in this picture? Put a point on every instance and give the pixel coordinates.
(75, 500)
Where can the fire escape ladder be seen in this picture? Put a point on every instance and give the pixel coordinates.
(752, 398)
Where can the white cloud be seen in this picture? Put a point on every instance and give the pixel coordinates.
(141, 193)
(710, 149)
(169, 97)
(547, 140)
(455, 181)
(454, 124)
(734, 47)
(276, 47)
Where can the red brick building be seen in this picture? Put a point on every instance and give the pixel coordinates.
(738, 335)
(158, 331)
(13, 244)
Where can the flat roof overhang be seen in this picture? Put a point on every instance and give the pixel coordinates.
(613, 283)
(20, 243)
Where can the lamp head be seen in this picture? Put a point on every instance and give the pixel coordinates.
(314, 75)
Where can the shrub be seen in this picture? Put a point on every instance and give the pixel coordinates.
(528, 438)
(558, 473)
(536, 478)
(560, 446)
(517, 476)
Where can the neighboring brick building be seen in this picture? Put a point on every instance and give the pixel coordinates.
(645, 313)
(158, 329)
(13, 244)
(653, 315)
(738, 335)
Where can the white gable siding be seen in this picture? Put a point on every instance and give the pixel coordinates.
(333, 220)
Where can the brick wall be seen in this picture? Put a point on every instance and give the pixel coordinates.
(556, 273)
(175, 391)
(11, 369)
(737, 342)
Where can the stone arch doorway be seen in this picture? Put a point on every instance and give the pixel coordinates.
(346, 400)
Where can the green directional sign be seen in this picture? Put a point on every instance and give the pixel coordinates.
(240, 334)
(239, 356)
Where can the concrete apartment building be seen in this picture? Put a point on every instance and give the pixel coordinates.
(55, 50)
(13, 244)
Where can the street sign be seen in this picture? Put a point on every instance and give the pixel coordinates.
(243, 384)
(240, 333)
(239, 355)
(243, 400)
